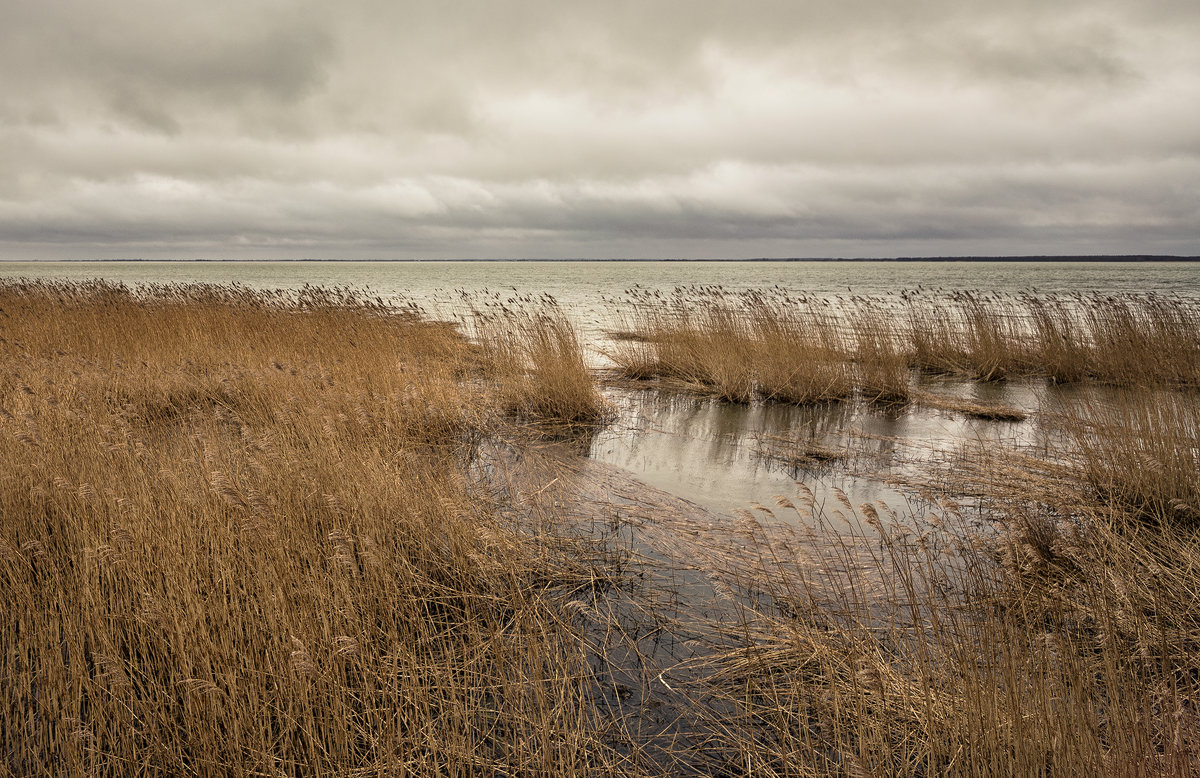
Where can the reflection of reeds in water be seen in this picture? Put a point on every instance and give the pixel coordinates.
(799, 452)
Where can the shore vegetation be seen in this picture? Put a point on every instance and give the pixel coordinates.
(313, 532)
(777, 346)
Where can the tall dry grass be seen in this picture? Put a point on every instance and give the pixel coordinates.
(1121, 340)
(260, 533)
(240, 534)
(535, 360)
(880, 358)
(1139, 451)
(797, 354)
(1061, 640)
(763, 344)
(795, 348)
(704, 343)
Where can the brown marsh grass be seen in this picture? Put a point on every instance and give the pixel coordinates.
(240, 536)
(801, 349)
(535, 360)
(735, 346)
(1062, 639)
(708, 345)
(256, 533)
(1139, 451)
(1120, 340)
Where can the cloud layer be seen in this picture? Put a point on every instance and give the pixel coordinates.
(158, 128)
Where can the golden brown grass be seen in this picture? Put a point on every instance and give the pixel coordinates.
(240, 536)
(266, 533)
(879, 356)
(797, 353)
(736, 346)
(535, 360)
(1139, 451)
(707, 345)
(1123, 340)
(1062, 641)
(739, 346)
(799, 349)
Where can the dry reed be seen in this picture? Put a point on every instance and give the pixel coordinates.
(801, 349)
(268, 533)
(240, 535)
(534, 358)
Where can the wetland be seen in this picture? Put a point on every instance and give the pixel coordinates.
(663, 530)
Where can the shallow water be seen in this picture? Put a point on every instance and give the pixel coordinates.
(716, 454)
(704, 450)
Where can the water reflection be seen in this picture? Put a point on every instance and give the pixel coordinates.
(726, 457)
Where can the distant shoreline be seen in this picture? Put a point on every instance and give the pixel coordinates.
(1031, 258)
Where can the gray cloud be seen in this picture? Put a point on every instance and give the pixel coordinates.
(262, 129)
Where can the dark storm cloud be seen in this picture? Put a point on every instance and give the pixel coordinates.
(252, 129)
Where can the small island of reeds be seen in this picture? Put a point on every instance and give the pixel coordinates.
(319, 533)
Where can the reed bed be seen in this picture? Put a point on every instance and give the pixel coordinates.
(240, 535)
(1049, 629)
(535, 360)
(1139, 451)
(309, 533)
(782, 347)
(1041, 626)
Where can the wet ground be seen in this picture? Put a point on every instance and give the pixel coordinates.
(725, 520)
(661, 490)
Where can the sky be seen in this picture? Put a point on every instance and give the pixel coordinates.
(395, 129)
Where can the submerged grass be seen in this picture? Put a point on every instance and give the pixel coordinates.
(977, 410)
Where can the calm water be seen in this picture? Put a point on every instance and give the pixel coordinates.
(717, 454)
(705, 451)
(582, 286)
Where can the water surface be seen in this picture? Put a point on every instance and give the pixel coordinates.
(583, 284)
(704, 450)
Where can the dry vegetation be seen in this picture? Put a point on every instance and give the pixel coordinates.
(240, 536)
(533, 358)
(932, 648)
(742, 345)
(271, 534)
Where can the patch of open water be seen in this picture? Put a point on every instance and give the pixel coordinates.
(725, 456)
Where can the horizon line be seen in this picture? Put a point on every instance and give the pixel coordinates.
(940, 258)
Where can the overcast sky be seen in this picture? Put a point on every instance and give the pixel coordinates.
(384, 129)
